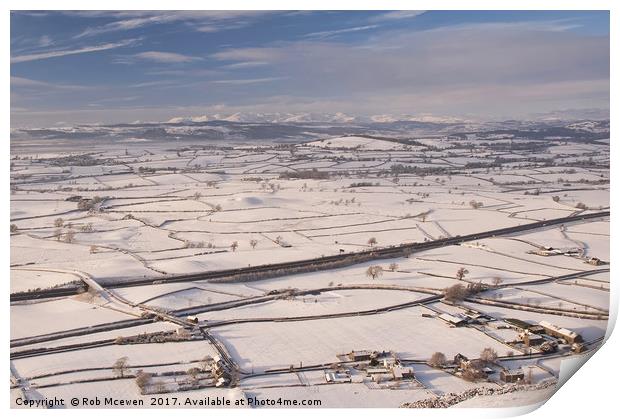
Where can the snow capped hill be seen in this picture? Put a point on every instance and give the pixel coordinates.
(309, 117)
(356, 142)
(590, 126)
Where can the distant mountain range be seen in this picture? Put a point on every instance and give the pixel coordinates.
(247, 127)
(293, 118)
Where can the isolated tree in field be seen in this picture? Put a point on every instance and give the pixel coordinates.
(460, 274)
(556, 198)
(488, 355)
(143, 379)
(423, 217)
(58, 234)
(93, 249)
(86, 228)
(69, 236)
(372, 241)
(438, 359)
(121, 366)
(393, 266)
(253, 243)
(59, 222)
(455, 293)
(218, 207)
(197, 196)
(234, 245)
(497, 281)
(13, 228)
(374, 271)
(475, 204)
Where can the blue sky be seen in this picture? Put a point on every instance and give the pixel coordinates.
(101, 67)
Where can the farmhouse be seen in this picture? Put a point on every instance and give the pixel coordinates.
(400, 372)
(559, 332)
(531, 339)
(511, 376)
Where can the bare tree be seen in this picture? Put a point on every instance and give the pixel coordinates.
(59, 222)
(460, 274)
(438, 359)
(69, 236)
(218, 207)
(143, 379)
(253, 243)
(14, 228)
(374, 271)
(455, 293)
(393, 266)
(93, 249)
(372, 241)
(58, 234)
(86, 228)
(121, 366)
(488, 355)
(497, 281)
(234, 245)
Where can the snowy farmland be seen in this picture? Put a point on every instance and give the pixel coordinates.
(340, 268)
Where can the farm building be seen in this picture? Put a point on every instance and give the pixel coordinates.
(360, 355)
(511, 376)
(400, 372)
(337, 377)
(460, 360)
(559, 332)
(531, 339)
(525, 326)
(453, 320)
(594, 261)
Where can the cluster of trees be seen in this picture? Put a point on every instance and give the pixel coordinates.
(88, 204)
(305, 174)
(459, 292)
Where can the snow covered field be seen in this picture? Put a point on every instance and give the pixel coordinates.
(101, 239)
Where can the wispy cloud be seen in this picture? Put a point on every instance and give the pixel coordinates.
(246, 81)
(22, 82)
(61, 53)
(166, 57)
(328, 34)
(396, 15)
(201, 21)
(246, 64)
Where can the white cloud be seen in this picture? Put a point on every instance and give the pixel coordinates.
(328, 34)
(24, 83)
(62, 53)
(246, 64)
(397, 14)
(166, 57)
(202, 21)
(246, 81)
